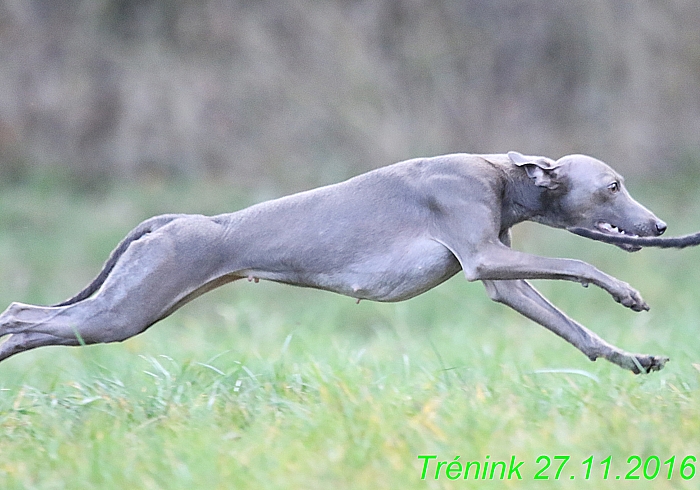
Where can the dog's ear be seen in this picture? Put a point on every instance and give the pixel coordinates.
(541, 170)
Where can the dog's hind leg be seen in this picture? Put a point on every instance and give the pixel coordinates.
(156, 274)
(525, 299)
(24, 341)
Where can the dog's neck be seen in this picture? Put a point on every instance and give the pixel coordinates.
(525, 201)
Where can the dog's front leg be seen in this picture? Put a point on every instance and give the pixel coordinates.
(499, 262)
(525, 299)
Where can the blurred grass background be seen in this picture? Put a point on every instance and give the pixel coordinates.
(112, 111)
(268, 386)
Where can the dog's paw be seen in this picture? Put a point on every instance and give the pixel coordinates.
(627, 296)
(644, 364)
(637, 363)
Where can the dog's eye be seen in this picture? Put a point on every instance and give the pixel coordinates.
(614, 187)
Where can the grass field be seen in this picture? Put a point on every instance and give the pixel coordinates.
(267, 386)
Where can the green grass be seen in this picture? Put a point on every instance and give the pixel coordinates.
(267, 386)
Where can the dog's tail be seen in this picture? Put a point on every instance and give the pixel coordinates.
(668, 242)
(142, 229)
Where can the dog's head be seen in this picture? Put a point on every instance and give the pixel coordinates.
(578, 191)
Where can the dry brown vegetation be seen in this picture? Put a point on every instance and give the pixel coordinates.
(286, 94)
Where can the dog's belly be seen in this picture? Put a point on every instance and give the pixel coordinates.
(404, 272)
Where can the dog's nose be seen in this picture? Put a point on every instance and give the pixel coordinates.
(660, 227)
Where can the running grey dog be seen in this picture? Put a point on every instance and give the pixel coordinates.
(386, 235)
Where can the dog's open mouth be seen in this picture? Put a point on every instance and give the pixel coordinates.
(608, 228)
(615, 230)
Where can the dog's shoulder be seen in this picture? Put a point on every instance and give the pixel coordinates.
(457, 164)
